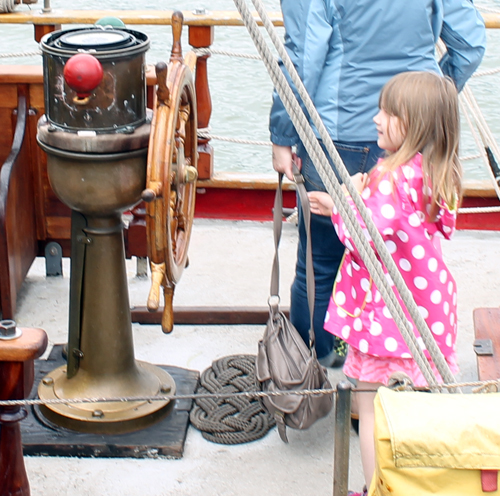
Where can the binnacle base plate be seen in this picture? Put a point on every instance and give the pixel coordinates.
(165, 438)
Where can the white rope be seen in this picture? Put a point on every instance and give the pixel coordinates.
(478, 210)
(19, 54)
(207, 135)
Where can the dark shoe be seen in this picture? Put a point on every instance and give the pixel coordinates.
(332, 360)
(363, 493)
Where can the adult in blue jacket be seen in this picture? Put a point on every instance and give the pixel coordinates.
(344, 52)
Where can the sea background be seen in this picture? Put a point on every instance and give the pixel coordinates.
(241, 88)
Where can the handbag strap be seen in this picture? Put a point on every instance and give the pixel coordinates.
(278, 223)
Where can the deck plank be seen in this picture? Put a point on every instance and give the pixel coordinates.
(487, 327)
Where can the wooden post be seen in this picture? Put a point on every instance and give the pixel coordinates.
(203, 37)
(16, 381)
(42, 29)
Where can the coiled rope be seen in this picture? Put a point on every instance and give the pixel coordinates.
(228, 417)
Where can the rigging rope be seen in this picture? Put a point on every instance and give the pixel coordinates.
(333, 187)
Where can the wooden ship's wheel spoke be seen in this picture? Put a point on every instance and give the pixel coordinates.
(172, 172)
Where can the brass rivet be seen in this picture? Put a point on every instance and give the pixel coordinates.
(98, 413)
(165, 388)
(48, 381)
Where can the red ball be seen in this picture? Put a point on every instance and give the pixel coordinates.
(83, 73)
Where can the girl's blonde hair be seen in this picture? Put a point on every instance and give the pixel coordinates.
(427, 107)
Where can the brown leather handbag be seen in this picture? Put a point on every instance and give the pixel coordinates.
(284, 362)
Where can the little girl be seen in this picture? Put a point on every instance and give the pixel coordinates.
(412, 194)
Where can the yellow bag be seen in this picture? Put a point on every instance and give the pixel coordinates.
(430, 443)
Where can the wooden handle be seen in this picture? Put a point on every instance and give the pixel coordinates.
(167, 318)
(177, 22)
(157, 278)
(162, 93)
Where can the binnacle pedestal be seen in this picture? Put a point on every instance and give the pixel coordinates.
(98, 168)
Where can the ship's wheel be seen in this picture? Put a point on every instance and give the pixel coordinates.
(171, 175)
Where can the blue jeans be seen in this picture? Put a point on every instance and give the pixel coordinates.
(326, 247)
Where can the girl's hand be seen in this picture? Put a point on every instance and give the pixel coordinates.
(321, 203)
(359, 181)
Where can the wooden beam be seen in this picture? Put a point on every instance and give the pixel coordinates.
(207, 315)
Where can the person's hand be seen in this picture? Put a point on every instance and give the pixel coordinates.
(359, 181)
(282, 160)
(321, 203)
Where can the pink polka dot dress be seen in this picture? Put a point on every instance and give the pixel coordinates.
(358, 314)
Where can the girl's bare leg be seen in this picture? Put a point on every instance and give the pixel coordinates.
(366, 428)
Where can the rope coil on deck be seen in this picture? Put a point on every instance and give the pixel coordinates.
(234, 419)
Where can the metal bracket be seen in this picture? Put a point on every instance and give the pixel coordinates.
(53, 259)
(483, 347)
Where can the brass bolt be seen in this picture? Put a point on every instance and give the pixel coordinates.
(48, 381)
(165, 388)
(98, 413)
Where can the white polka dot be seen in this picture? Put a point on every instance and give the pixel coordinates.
(336, 227)
(388, 231)
(365, 284)
(391, 246)
(391, 344)
(346, 232)
(413, 220)
(348, 269)
(405, 355)
(357, 325)
(418, 252)
(366, 233)
(423, 312)
(427, 190)
(340, 298)
(389, 279)
(439, 234)
(387, 313)
(450, 287)
(403, 236)
(447, 229)
(446, 308)
(421, 344)
(327, 316)
(375, 329)
(449, 340)
(436, 297)
(437, 328)
(388, 211)
(341, 313)
(405, 265)
(339, 276)
(357, 312)
(353, 292)
(371, 315)
(366, 194)
(385, 187)
(378, 296)
(420, 282)
(406, 188)
(443, 276)
(432, 264)
(363, 346)
(335, 211)
(369, 297)
(414, 195)
(348, 245)
(346, 332)
(355, 266)
(408, 172)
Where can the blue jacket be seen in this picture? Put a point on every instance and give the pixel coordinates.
(346, 50)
